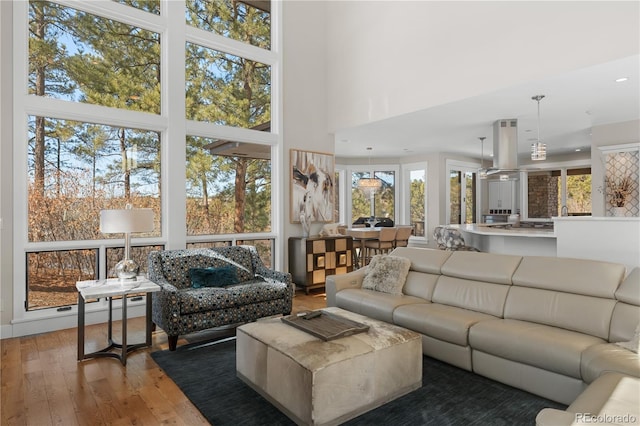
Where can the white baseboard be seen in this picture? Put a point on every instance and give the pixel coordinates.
(6, 331)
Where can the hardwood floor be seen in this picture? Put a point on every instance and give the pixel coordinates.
(42, 383)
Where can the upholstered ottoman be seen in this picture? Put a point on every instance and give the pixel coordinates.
(317, 382)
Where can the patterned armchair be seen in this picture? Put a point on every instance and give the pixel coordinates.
(450, 239)
(179, 308)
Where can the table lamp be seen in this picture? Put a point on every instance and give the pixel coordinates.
(126, 221)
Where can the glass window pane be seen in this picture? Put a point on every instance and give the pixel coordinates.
(140, 255)
(361, 202)
(80, 57)
(385, 196)
(579, 194)
(77, 169)
(228, 187)
(417, 203)
(263, 247)
(52, 276)
(226, 89)
(151, 6)
(246, 21)
(455, 198)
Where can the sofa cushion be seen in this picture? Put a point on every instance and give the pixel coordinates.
(373, 304)
(634, 344)
(420, 284)
(585, 314)
(423, 259)
(629, 290)
(579, 276)
(446, 323)
(205, 299)
(549, 348)
(477, 296)
(386, 274)
(604, 357)
(489, 267)
(213, 277)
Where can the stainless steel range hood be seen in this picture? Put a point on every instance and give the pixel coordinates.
(505, 147)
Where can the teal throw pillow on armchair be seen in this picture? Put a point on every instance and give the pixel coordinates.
(213, 277)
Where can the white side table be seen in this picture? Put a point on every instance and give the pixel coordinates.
(93, 289)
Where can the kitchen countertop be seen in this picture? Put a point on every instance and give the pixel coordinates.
(497, 230)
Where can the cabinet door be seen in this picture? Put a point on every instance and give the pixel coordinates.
(506, 195)
(495, 195)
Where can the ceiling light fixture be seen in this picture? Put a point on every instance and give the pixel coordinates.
(369, 185)
(621, 79)
(482, 172)
(538, 149)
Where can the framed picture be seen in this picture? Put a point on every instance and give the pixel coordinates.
(312, 186)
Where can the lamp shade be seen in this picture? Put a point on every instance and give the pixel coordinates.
(126, 221)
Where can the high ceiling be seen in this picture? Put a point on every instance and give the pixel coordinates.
(573, 103)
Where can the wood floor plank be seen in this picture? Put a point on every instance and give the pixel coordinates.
(42, 383)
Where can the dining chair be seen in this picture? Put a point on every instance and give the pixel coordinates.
(402, 236)
(382, 244)
(357, 248)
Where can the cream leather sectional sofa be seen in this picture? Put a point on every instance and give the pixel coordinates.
(547, 325)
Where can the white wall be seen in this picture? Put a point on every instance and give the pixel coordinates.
(305, 91)
(387, 58)
(611, 239)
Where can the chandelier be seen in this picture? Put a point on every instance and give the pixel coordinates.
(369, 185)
(538, 149)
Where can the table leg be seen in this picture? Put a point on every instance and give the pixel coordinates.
(149, 321)
(80, 327)
(124, 330)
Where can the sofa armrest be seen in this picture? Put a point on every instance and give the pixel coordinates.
(265, 272)
(553, 417)
(336, 283)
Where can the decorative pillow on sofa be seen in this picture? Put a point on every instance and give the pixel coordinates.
(213, 277)
(634, 343)
(386, 274)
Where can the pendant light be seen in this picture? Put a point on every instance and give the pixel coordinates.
(369, 185)
(482, 172)
(538, 149)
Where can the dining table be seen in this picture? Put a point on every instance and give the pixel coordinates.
(363, 234)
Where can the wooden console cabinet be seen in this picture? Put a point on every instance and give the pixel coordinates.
(312, 259)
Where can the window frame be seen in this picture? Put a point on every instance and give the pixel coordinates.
(170, 124)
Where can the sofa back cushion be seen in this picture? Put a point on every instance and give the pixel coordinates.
(488, 267)
(626, 314)
(420, 284)
(475, 295)
(176, 263)
(579, 276)
(585, 314)
(423, 259)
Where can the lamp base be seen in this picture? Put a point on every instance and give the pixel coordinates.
(127, 270)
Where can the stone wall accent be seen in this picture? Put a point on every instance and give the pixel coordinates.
(543, 196)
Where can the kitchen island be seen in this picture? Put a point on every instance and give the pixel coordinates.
(503, 238)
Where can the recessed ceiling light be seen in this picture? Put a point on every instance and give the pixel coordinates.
(621, 79)
(578, 149)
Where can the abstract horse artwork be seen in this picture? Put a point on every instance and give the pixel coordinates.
(312, 188)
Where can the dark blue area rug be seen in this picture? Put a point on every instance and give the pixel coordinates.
(206, 373)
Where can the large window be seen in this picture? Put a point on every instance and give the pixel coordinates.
(129, 102)
(379, 203)
(559, 192)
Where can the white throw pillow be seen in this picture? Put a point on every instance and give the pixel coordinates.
(634, 344)
(386, 274)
